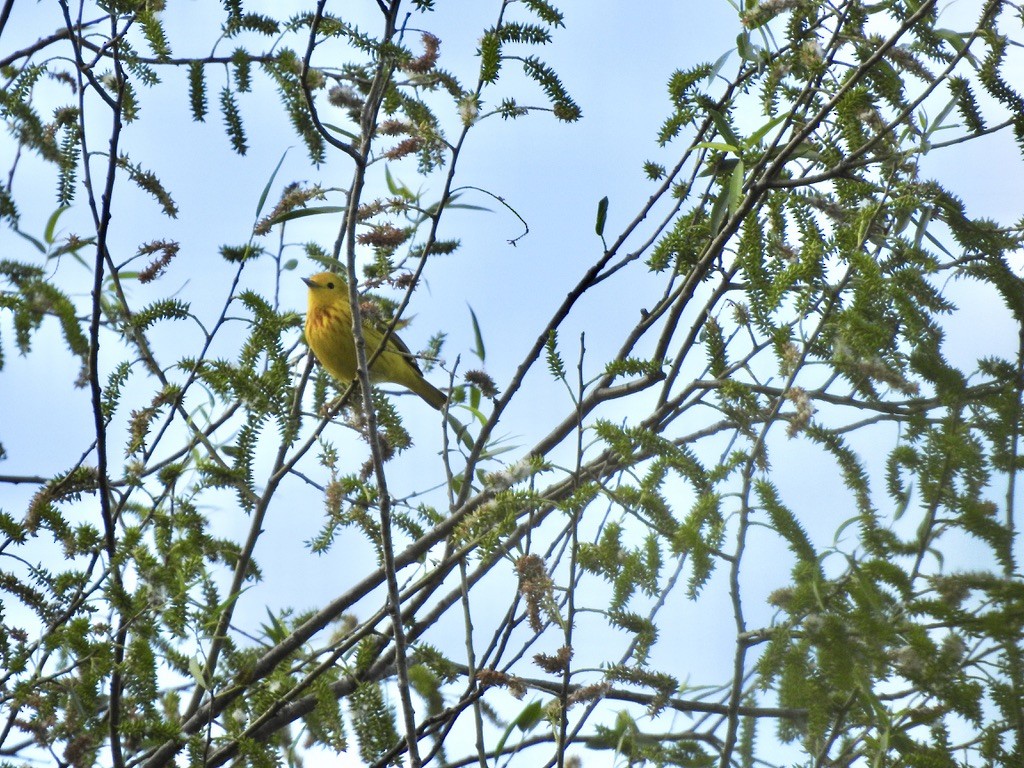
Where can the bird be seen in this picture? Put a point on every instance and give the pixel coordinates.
(329, 336)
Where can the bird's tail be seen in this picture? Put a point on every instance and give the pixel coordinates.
(435, 398)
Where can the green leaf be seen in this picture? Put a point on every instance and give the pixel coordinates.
(723, 127)
(526, 720)
(478, 336)
(736, 188)
(941, 118)
(461, 431)
(732, 148)
(269, 184)
(299, 213)
(747, 50)
(955, 40)
(760, 133)
(342, 131)
(197, 672)
(530, 715)
(396, 187)
(51, 224)
(39, 246)
(717, 66)
(719, 210)
(602, 216)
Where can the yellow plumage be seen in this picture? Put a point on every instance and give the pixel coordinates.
(329, 335)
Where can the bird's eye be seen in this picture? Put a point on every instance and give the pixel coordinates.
(331, 286)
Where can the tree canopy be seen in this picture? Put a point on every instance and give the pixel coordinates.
(732, 484)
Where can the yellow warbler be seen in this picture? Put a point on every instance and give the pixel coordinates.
(329, 335)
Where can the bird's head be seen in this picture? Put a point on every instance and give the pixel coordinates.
(326, 289)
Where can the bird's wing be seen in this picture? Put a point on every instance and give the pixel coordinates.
(404, 351)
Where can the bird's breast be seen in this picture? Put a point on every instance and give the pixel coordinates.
(320, 318)
(329, 335)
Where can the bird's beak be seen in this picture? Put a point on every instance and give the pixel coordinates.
(310, 283)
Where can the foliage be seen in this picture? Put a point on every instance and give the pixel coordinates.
(807, 271)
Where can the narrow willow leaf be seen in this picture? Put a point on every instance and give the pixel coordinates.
(736, 188)
(300, 213)
(51, 224)
(478, 337)
(268, 185)
(602, 216)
